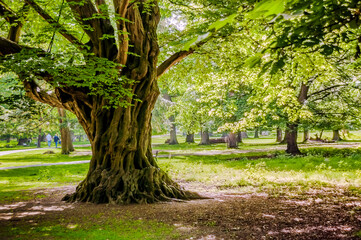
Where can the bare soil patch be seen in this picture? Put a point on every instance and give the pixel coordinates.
(224, 215)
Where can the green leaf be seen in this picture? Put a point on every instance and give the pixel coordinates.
(254, 60)
(195, 40)
(266, 8)
(326, 50)
(189, 43)
(222, 22)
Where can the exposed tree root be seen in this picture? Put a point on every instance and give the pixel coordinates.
(148, 185)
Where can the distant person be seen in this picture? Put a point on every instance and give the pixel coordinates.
(56, 139)
(48, 138)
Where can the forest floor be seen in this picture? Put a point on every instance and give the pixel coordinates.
(224, 215)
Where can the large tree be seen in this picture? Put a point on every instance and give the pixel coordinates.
(108, 78)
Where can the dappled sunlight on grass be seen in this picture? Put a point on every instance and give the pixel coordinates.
(278, 175)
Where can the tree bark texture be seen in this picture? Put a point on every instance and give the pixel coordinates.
(291, 138)
(38, 144)
(256, 133)
(173, 131)
(232, 140)
(64, 132)
(190, 138)
(205, 137)
(306, 135)
(278, 134)
(336, 135)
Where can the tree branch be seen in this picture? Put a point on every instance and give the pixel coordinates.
(8, 47)
(53, 22)
(121, 9)
(172, 60)
(14, 20)
(326, 89)
(35, 92)
(95, 27)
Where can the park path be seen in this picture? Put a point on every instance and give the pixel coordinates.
(173, 153)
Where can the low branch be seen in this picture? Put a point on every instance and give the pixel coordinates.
(35, 92)
(53, 22)
(8, 47)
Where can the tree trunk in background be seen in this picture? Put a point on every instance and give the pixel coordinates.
(173, 131)
(256, 135)
(306, 135)
(205, 137)
(190, 138)
(244, 134)
(279, 135)
(336, 135)
(239, 137)
(70, 140)
(232, 140)
(8, 138)
(284, 141)
(64, 132)
(291, 138)
(38, 144)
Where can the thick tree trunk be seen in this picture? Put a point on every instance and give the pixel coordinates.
(306, 135)
(122, 168)
(190, 138)
(336, 135)
(205, 137)
(38, 144)
(279, 135)
(256, 133)
(232, 140)
(291, 138)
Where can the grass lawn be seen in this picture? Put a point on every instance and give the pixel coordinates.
(98, 227)
(37, 157)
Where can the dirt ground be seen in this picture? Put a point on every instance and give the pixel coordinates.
(225, 214)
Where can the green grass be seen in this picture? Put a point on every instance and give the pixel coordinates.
(13, 182)
(37, 157)
(98, 227)
(282, 174)
(319, 168)
(13, 145)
